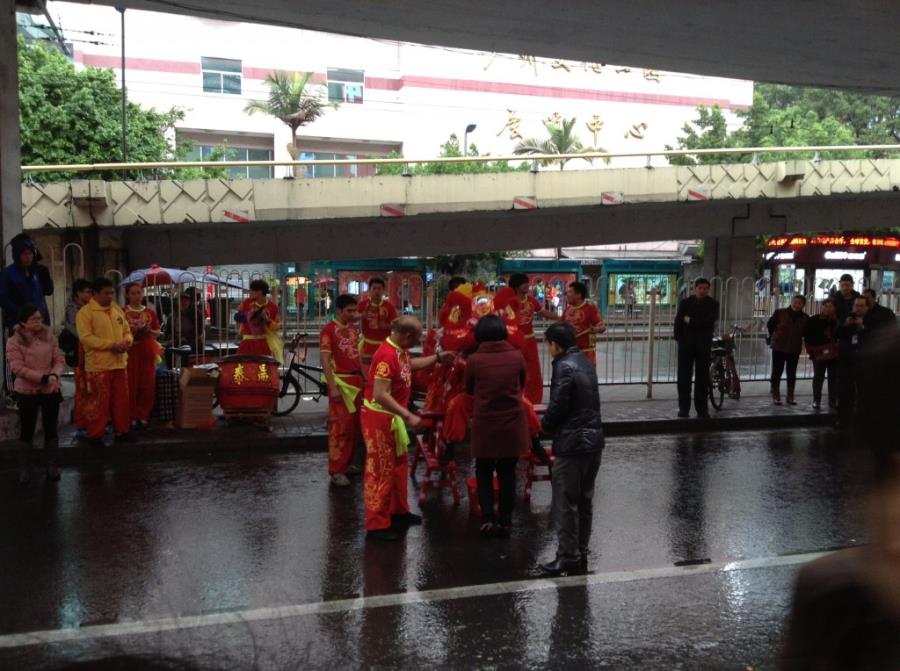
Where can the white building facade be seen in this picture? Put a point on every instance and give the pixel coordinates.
(390, 96)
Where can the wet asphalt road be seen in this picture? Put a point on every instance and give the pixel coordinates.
(169, 540)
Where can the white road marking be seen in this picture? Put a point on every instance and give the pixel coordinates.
(142, 627)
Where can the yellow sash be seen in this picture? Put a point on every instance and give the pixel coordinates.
(348, 391)
(398, 426)
(276, 346)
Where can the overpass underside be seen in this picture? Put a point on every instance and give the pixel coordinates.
(475, 232)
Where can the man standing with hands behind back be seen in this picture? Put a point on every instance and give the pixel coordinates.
(694, 325)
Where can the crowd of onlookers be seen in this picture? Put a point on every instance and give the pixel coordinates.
(834, 339)
(113, 351)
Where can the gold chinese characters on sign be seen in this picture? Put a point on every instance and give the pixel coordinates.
(594, 125)
(239, 377)
(636, 131)
(512, 123)
(263, 374)
(554, 119)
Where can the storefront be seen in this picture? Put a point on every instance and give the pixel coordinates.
(630, 281)
(813, 265)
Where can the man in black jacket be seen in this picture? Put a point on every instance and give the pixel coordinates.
(694, 325)
(878, 315)
(573, 417)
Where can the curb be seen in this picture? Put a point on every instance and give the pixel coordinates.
(247, 441)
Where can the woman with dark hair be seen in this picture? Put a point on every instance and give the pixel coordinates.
(820, 335)
(144, 325)
(37, 363)
(495, 377)
(260, 321)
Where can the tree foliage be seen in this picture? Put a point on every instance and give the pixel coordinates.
(290, 100)
(792, 116)
(451, 149)
(74, 116)
(562, 140)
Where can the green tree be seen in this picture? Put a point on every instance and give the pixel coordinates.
(451, 149)
(291, 102)
(789, 116)
(74, 116)
(562, 140)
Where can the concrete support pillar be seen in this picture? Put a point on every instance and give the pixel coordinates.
(10, 156)
(731, 266)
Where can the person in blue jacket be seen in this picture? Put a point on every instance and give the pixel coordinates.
(25, 281)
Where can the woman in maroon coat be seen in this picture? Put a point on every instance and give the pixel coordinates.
(495, 377)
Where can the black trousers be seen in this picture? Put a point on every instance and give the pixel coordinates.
(820, 370)
(29, 405)
(780, 360)
(846, 383)
(693, 359)
(573, 481)
(506, 475)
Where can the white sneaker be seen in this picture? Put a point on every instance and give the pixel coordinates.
(340, 480)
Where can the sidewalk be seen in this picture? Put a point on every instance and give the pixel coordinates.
(626, 411)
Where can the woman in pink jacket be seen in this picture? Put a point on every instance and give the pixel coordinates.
(37, 362)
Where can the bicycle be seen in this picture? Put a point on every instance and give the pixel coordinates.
(298, 379)
(723, 375)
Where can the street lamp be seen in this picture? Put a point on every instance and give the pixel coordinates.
(121, 11)
(469, 129)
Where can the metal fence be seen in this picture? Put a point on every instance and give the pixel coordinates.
(638, 346)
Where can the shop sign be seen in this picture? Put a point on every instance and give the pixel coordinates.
(835, 241)
(832, 255)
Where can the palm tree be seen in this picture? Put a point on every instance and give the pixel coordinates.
(561, 141)
(290, 102)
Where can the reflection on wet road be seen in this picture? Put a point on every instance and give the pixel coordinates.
(162, 540)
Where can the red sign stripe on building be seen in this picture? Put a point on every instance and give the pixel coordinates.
(242, 216)
(524, 203)
(393, 210)
(612, 198)
(698, 194)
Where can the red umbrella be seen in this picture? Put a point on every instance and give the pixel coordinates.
(323, 281)
(156, 276)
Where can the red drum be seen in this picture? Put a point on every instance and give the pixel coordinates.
(248, 384)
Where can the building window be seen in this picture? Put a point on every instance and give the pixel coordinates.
(329, 170)
(221, 75)
(345, 86)
(203, 152)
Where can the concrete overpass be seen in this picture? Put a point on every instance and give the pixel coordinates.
(239, 221)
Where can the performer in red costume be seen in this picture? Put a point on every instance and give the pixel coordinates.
(586, 319)
(529, 306)
(376, 313)
(142, 356)
(385, 415)
(339, 354)
(260, 321)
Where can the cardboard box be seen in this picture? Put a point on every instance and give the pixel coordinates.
(197, 386)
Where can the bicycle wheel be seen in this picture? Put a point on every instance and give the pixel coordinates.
(716, 384)
(288, 398)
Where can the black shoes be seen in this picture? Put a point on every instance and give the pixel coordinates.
(684, 414)
(406, 520)
(561, 565)
(382, 535)
(702, 415)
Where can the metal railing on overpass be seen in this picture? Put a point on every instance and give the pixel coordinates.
(529, 158)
